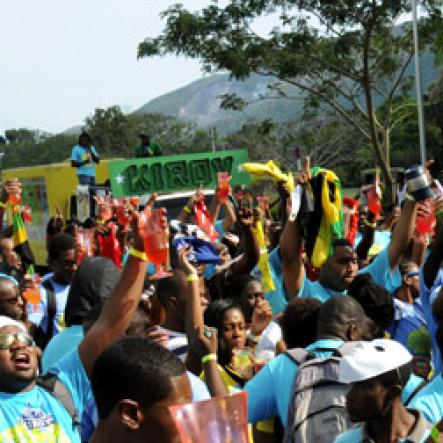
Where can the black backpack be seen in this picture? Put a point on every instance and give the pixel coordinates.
(41, 337)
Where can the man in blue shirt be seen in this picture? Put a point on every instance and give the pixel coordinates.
(47, 317)
(377, 373)
(29, 412)
(429, 401)
(83, 157)
(431, 294)
(341, 267)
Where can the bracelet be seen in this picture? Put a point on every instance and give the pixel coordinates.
(187, 209)
(209, 357)
(138, 254)
(369, 224)
(409, 197)
(192, 277)
(434, 434)
(2, 205)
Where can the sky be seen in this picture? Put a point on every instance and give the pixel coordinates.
(61, 59)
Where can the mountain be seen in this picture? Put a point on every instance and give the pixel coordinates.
(199, 101)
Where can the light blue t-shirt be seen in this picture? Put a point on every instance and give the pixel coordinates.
(269, 391)
(60, 345)
(218, 225)
(427, 297)
(381, 239)
(409, 322)
(80, 154)
(379, 269)
(38, 314)
(277, 298)
(37, 416)
(413, 383)
(429, 401)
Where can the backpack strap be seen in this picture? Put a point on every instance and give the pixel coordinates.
(51, 384)
(414, 392)
(297, 355)
(52, 306)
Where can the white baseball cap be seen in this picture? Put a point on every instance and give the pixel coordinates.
(370, 359)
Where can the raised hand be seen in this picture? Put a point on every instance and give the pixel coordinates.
(261, 317)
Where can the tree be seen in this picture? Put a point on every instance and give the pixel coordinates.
(345, 56)
(111, 132)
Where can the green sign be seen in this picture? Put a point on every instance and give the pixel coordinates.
(176, 173)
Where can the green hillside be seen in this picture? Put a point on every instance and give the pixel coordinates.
(199, 101)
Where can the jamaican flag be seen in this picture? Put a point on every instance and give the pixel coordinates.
(20, 238)
(326, 220)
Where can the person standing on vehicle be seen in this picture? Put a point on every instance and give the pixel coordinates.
(83, 157)
(147, 148)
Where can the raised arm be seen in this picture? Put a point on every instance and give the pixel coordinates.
(94, 155)
(367, 239)
(433, 262)
(290, 245)
(119, 307)
(293, 267)
(251, 249)
(403, 232)
(188, 210)
(203, 342)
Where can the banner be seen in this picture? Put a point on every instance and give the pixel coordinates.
(176, 173)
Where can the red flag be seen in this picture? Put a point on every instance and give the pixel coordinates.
(109, 245)
(204, 221)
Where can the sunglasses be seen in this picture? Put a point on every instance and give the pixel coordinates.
(6, 340)
(413, 274)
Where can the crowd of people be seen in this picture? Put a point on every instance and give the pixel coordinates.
(326, 311)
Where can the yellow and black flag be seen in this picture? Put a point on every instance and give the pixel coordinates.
(20, 238)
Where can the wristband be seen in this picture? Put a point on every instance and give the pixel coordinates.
(369, 224)
(409, 197)
(187, 209)
(2, 205)
(434, 434)
(209, 357)
(192, 277)
(138, 254)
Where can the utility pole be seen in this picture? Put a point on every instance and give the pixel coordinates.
(421, 119)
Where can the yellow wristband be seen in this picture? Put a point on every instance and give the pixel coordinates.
(369, 224)
(409, 197)
(187, 209)
(434, 434)
(138, 254)
(2, 205)
(192, 277)
(209, 357)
